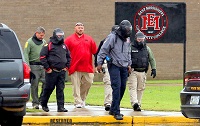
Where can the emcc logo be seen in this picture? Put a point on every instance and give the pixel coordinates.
(152, 21)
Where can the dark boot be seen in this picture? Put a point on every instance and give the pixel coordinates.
(45, 108)
(136, 107)
(111, 113)
(62, 110)
(107, 107)
(118, 117)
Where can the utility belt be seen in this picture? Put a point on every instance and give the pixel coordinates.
(57, 70)
(35, 63)
(139, 69)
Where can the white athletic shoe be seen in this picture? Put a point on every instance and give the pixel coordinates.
(78, 106)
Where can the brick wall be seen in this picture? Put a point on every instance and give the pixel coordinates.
(25, 16)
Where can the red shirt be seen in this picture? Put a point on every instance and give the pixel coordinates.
(81, 50)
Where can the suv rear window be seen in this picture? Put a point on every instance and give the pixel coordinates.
(9, 47)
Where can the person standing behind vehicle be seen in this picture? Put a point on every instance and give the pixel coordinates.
(116, 51)
(81, 47)
(141, 56)
(55, 57)
(106, 76)
(32, 50)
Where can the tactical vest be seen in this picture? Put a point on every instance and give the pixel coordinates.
(139, 59)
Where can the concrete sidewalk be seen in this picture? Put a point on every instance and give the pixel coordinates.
(97, 115)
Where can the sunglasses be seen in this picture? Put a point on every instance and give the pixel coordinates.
(79, 24)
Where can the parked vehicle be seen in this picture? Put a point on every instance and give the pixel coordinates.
(190, 95)
(14, 79)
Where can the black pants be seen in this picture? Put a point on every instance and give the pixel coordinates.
(118, 78)
(54, 79)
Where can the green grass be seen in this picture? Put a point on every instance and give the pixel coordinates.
(159, 95)
(157, 98)
(164, 98)
(164, 81)
(148, 82)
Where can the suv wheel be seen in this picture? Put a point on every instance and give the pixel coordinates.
(11, 121)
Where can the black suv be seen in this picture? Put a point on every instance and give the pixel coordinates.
(14, 79)
(190, 95)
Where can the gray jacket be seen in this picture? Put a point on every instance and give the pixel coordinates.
(118, 50)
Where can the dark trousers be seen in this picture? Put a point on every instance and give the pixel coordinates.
(39, 73)
(54, 79)
(118, 78)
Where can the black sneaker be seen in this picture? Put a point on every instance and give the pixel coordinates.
(111, 113)
(118, 117)
(45, 108)
(62, 110)
(107, 107)
(136, 107)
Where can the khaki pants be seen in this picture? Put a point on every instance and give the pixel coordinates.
(81, 83)
(107, 88)
(136, 85)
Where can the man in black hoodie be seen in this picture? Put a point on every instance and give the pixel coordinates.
(55, 57)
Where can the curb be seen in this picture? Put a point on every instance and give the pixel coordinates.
(128, 120)
(162, 119)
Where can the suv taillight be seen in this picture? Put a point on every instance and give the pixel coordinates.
(191, 76)
(26, 72)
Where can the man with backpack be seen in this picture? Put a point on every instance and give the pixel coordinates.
(55, 57)
(106, 76)
(116, 51)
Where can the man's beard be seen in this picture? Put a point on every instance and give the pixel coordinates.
(79, 33)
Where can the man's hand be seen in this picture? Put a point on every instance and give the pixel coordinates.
(95, 70)
(129, 70)
(153, 73)
(65, 69)
(49, 71)
(99, 68)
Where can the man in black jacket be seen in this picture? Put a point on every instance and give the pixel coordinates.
(55, 57)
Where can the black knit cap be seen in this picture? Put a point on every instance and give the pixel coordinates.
(139, 34)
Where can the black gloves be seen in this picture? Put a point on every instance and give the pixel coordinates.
(153, 73)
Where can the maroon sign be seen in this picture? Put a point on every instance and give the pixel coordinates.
(161, 22)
